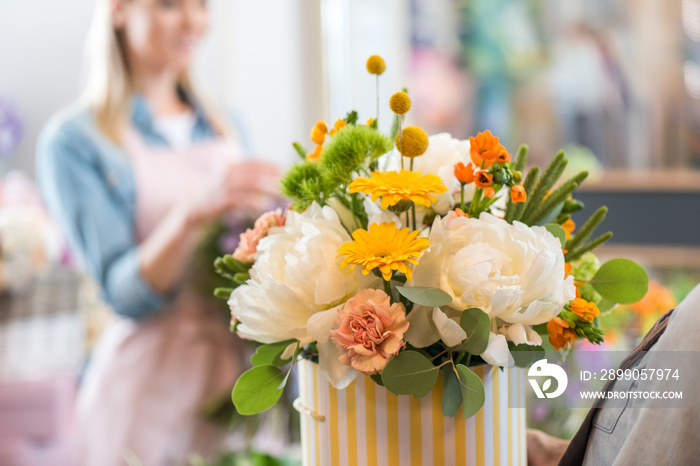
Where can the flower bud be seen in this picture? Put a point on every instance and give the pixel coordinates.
(502, 177)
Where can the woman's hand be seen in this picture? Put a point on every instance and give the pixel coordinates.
(543, 449)
(239, 184)
(164, 255)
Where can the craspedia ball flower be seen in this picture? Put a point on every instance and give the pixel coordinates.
(400, 103)
(394, 187)
(384, 247)
(376, 65)
(412, 141)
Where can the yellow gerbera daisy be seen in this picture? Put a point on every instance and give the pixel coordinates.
(394, 187)
(384, 247)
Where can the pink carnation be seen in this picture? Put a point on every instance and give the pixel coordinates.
(248, 245)
(370, 331)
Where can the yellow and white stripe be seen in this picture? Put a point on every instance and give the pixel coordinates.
(365, 424)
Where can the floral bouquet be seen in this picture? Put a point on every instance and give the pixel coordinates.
(29, 241)
(404, 255)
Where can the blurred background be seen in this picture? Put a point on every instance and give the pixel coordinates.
(615, 84)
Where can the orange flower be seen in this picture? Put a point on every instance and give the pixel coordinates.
(483, 179)
(518, 194)
(479, 162)
(585, 310)
(460, 213)
(483, 149)
(502, 155)
(464, 173)
(339, 124)
(318, 134)
(316, 154)
(321, 125)
(560, 335)
(658, 299)
(489, 192)
(569, 226)
(567, 271)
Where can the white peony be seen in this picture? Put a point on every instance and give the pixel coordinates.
(514, 273)
(443, 153)
(296, 274)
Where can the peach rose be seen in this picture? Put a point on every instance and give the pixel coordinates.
(248, 245)
(370, 331)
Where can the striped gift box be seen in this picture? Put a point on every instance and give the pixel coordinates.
(365, 424)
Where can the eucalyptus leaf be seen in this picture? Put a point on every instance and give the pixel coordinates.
(604, 305)
(257, 389)
(621, 281)
(377, 379)
(425, 296)
(477, 325)
(451, 392)
(270, 354)
(472, 387)
(410, 373)
(524, 355)
(557, 231)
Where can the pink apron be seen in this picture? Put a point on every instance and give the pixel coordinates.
(146, 383)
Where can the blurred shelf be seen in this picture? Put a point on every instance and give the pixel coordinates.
(42, 333)
(654, 255)
(615, 180)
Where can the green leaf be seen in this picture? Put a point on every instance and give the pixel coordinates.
(300, 150)
(223, 293)
(451, 392)
(410, 373)
(604, 305)
(425, 296)
(377, 377)
(477, 325)
(472, 390)
(234, 265)
(351, 117)
(621, 281)
(241, 277)
(270, 354)
(257, 389)
(524, 355)
(557, 231)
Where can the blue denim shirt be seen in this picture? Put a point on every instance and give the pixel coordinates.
(88, 186)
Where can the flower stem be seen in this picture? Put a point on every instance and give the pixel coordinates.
(476, 200)
(413, 206)
(461, 197)
(400, 118)
(387, 288)
(377, 99)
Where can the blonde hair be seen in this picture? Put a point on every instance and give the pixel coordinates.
(109, 89)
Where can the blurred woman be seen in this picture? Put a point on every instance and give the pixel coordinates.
(133, 172)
